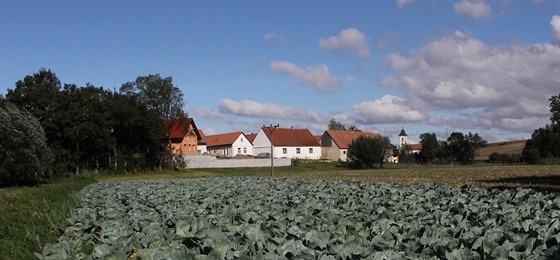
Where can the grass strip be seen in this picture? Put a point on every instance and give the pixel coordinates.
(31, 217)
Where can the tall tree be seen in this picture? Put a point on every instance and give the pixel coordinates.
(555, 109)
(158, 94)
(430, 147)
(334, 125)
(136, 133)
(38, 94)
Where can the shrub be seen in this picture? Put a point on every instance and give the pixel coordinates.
(24, 155)
(364, 151)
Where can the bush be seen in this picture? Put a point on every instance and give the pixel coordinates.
(364, 151)
(24, 155)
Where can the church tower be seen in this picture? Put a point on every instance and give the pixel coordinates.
(403, 138)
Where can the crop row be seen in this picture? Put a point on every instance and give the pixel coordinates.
(257, 218)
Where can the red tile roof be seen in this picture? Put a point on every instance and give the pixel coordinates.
(415, 147)
(179, 128)
(251, 137)
(222, 139)
(343, 138)
(291, 137)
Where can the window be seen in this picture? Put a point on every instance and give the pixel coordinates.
(242, 139)
(298, 150)
(244, 150)
(284, 150)
(238, 150)
(310, 150)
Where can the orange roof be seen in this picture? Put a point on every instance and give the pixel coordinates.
(343, 138)
(291, 137)
(318, 138)
(202, 137)
(251, 137)
(179, 128)
(222, 139)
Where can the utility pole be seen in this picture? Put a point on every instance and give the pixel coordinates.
(272, 128)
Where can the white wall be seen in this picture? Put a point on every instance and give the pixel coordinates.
(292, 152)
(207, 161)
(242, 146)
(261, 144)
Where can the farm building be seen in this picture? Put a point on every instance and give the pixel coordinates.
(335, 143)
(182, 135)
(229, 145)
(287, 143)
(202, 144)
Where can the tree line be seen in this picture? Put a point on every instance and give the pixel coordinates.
(542, 148)
(364, 152)
(457, 148)
(49, 129)
(544, 144)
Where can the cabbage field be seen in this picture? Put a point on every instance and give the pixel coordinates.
(263, 218)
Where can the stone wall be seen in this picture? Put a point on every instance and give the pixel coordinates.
(207, 161)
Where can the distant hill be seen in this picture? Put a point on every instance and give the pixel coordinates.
(508, 147)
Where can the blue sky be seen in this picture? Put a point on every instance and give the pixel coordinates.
(428, 66)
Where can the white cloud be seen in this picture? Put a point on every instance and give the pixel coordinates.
(348, 39)
(555, 22)
(475, 9)
(505, 87)
(388, 109)
(401, 3)
(273, 36)
(251, 108)
(207, 113)
(317, 76)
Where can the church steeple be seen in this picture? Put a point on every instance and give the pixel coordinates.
(403, 138)
(403, 133)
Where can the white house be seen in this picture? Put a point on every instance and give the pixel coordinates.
(229, 145)
(287, 143)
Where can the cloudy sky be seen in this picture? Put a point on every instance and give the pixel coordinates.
(428, 66)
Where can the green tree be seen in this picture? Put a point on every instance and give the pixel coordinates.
(406, 155)
(555, 109)
(430, 148)
(544, 144)
(136, 134)
(38, 94)
(364, 151)
(24, 154)
(463, 148)
(334, 125)
(86, 122)
(159, 95)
